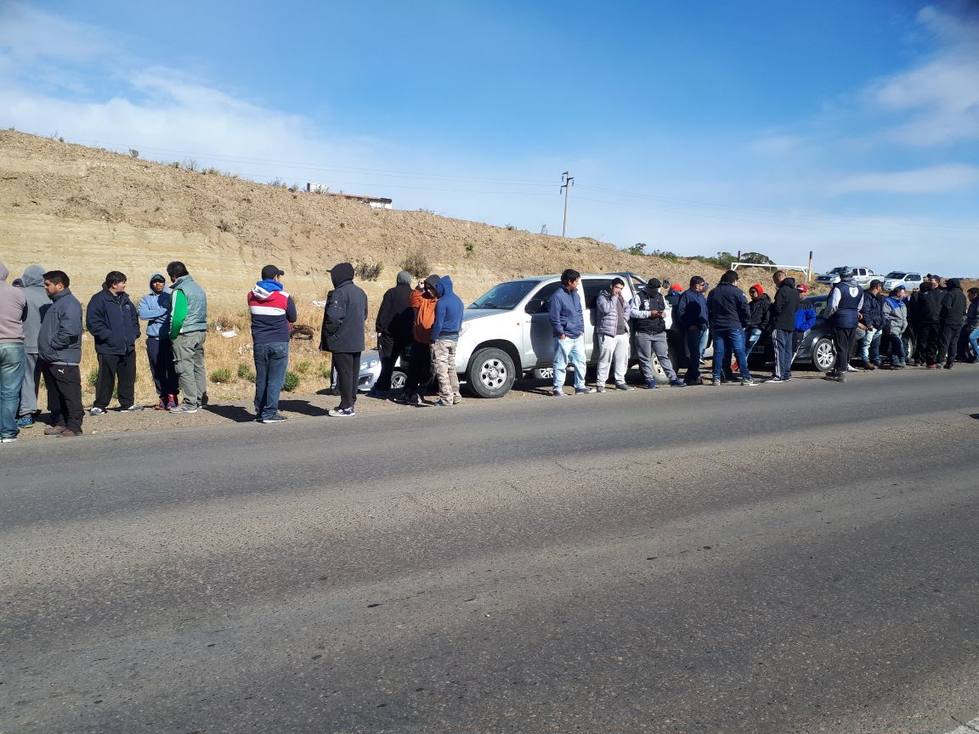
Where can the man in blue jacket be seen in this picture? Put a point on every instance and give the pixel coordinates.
(567, 314)
(729, 313)
(445, 339)
(154, 308)
(691, 319)
(113, 322)
(843, 313)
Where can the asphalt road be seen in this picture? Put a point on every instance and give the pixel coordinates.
(799, 557)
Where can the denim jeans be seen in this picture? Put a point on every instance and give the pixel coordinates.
(898, 358)
(695, 337)
(11, 374)
(783, 342)
(870, 346)
(569, 350)
(732, 339)
(974, 342)
(751, 334)
(271, 360)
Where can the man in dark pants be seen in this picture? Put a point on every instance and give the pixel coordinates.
(59, 346)
(423, 302)
(154, 308)
(343, 334)
(928, 317)
(843, 313)
(691, 316)
(393, 326)
(782, 320)
(954, 305)
(113, 322)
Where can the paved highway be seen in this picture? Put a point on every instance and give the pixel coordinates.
(799, 557)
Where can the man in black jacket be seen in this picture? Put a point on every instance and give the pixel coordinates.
(782, 321)
(871, 324)
(393, 326)
(112, 320)
(728, 314)
(343, 334)
(927, 318)
(952, 318)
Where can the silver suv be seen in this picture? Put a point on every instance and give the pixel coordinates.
(506, 332)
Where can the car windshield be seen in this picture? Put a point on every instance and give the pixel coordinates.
(817, 303)
(837, 270)
(895, 274)
(505, 295)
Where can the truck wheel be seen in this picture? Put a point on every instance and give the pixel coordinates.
(398, 379)
(491, 373)
(823, 355)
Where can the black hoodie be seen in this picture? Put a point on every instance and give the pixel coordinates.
(345, 313)
(785, 305)
(954, 304)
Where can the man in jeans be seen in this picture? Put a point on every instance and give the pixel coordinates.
(969, 340)
(690, 316)
(13, 310)
(59, 346)
(32, 281)
(613, 313)
(113, 322)
(729, 314)
(445, 339)
(871, 325)
(783, 325)
(567, 315)
(188, 330)
(272, 310)
(649, 327)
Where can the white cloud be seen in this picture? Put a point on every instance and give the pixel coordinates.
(919, 181)
(777, 144)
(28, 34)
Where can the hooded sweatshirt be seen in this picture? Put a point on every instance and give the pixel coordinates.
(272, 311)
(345, 314)
(785, 305)
(954, 304)
(37, 304)
(13, 308)
(895, 315)
(448, 311)
(759, 309)
(154, 308)
(395, 317)
(424, 306)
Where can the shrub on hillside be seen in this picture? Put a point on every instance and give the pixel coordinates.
(245, 372)
(417, 264)
(220, 376)
(304, 366)
(369, 270)
(291, 382)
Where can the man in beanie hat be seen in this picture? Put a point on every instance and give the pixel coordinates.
(393, 326)
(154, 309)
(343, 334)
(272, 310)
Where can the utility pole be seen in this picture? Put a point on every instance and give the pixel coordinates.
(567, 182)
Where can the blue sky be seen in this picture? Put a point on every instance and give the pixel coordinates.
(850, 128)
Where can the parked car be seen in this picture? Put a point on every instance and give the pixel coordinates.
(909, 280)
(861, 275)
(815, 350)
(370, 370)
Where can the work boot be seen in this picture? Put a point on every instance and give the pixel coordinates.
(54, 430)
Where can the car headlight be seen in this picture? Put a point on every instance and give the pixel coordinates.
(369, 364)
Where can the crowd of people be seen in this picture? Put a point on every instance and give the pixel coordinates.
(41, 325)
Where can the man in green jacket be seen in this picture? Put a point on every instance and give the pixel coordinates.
(188, 330)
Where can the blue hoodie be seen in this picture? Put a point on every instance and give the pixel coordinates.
(154, 308)
(448, 311)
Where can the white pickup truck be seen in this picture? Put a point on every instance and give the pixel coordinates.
(861, 276)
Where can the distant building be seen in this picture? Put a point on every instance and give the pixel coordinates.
(374, 202)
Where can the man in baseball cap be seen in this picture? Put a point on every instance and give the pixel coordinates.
(272, 310)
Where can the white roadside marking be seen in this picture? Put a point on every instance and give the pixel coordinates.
(970, 727)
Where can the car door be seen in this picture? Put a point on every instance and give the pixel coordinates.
(912, 281)
(538, 346)
(592, 287)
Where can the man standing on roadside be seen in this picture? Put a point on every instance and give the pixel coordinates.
(272, 310)
(729, 314)
(445, 339)
(954, 306)
(843, 313)
(423, 300)
(112, 321)
(691, 318)
(59, 346)
(969, 339)
(928, 318)
(871, 324)
(37, 303)
(613, 313)
(154, 309)
(343, 334)
(783, 324)
(649, 327)
(13, 310)
(567, 314)
(393, 326)
(895, 324)
(188, 331)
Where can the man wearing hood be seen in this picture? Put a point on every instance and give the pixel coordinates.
(782, 321)
(423, 301)
(343, 334)
(843, 314)
(112, 321)
(13, 310)
(759, 313)
(445, 339)
(649, 327)
(188, 332)
(272, 310)
(952, 318)
(926, 315)
(59, 347)
(154, 309)
(32, 281)
(895, 324)
(393, 326)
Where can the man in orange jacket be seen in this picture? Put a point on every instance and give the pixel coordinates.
(423, 300)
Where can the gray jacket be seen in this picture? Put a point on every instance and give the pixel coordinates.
(37, 305)
(60, 338)
(606, 316)
(895, 316)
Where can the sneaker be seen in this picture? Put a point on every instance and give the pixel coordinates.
(275, 418)
(842, 377)
(131, 409)
(341, 413)
(651, 385)
(204, 400)
(598, 388)
(851, 368)
(587, 390)
(558, 394)
(622, 386)
(775, 381)
(54, 430)
(185, 408)
(440, 403)
(97, 411)
(162, 405)
(716, 382)
(25, 421)
(677, 383)
(10, 439)
(457, 399)
(869, 366)
(70, 434)
(748, 383)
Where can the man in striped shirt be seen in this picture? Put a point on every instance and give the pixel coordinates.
(272, 310)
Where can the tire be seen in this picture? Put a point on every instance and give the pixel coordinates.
(823, 354)
(398, 379)
(491, 373)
